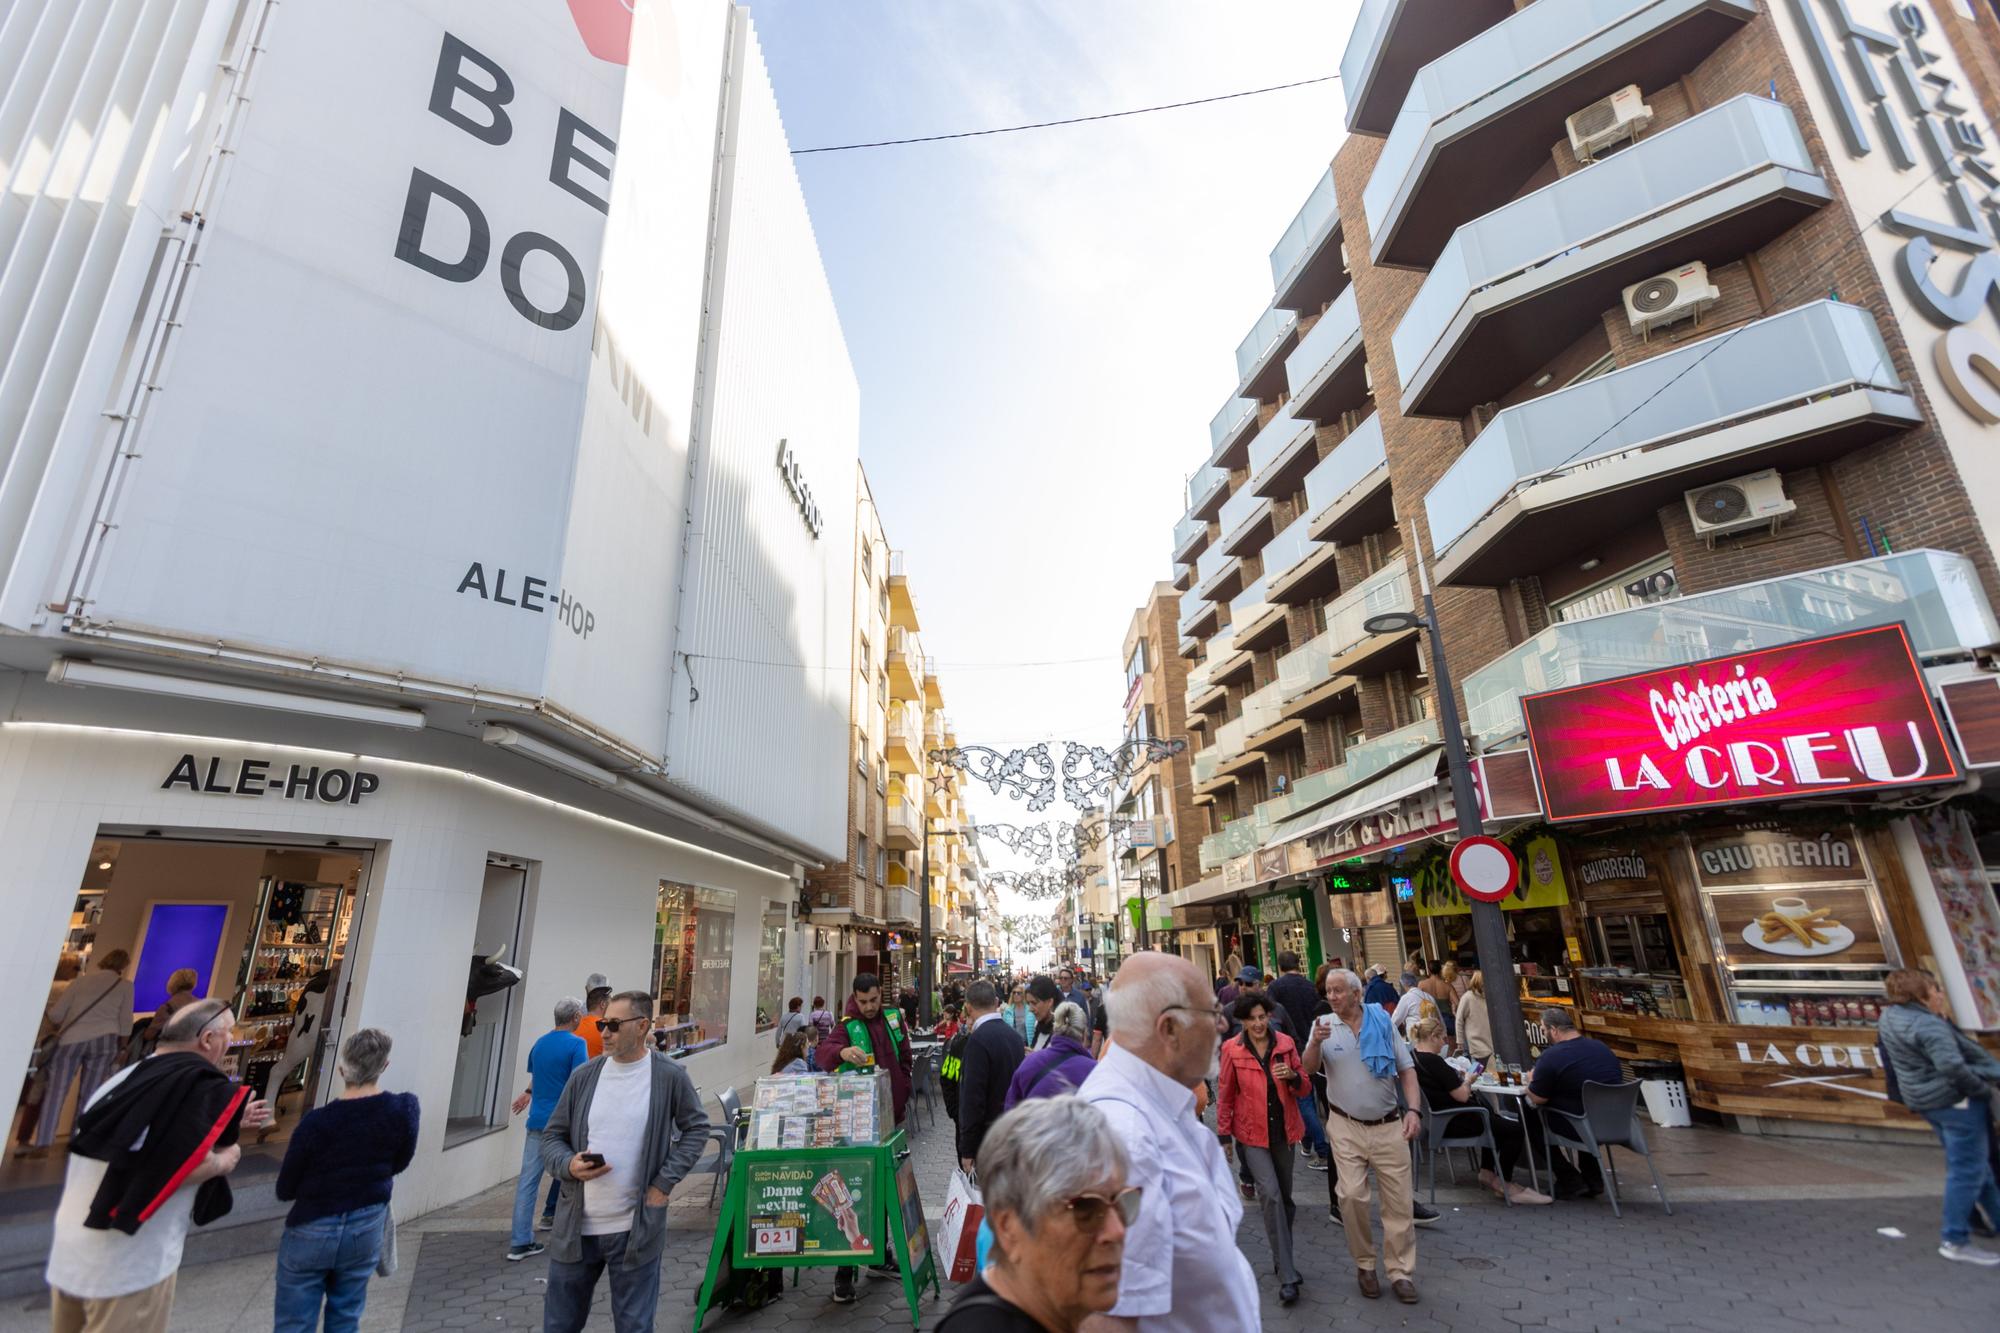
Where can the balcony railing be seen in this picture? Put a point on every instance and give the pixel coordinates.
(1204, 764)
(1381, 753)
(1288, 550)
(1265, 341)
(1188, 533)
(1392, 39)
(1211, 571)
(1935, 594)
(1276, 448)
(1327, 371)
(1227, 426)
(1340, 482)
(1246, 608)
(1478, 119)
(1195, 610)
(1699, 389)
(1204, 488)
(1261, 712)
(1241, 513)
(1239, 837)
(1293, 258)
(1586, 236)
(904, 816)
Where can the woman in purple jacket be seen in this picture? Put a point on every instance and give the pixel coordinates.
(1059, 1067)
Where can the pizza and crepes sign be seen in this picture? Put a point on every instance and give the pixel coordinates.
(1823, 717)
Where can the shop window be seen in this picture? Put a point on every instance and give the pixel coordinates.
(693, 951)
(476, 1104)
(867, 563)
(771, 967)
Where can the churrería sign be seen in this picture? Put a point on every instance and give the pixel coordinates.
(1832, 716)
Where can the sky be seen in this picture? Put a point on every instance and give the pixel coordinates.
(1043, 323)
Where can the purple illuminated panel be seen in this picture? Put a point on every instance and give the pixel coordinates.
(177, 935)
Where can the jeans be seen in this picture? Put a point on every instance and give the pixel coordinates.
(526, 1188)
(1968, 1172)
(1315, 1140)
(635, 1292)
(327, 1261)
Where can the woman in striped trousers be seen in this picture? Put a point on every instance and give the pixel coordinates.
(92, 1020)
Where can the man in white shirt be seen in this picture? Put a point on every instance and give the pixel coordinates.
(1182, 1270)
(103, 1277)
(625, 1131)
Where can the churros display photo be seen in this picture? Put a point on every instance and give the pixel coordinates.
(1771, 926)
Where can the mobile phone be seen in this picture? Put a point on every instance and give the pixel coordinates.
(592, 1158)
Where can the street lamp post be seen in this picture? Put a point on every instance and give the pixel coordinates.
(1489, 926)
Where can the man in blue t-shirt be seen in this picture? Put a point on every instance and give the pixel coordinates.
(1571, 1061)
(551, 1060)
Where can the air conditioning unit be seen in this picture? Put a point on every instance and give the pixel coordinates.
(1738, 505)
(1669, 298)
(1618, 117)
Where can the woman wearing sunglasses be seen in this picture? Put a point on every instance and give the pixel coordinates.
(1053, 1177)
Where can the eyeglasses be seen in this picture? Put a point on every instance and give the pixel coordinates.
(612, 1025)
(1213, 1011)
(1088, 1211)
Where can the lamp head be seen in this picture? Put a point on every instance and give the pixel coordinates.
(1392, 622)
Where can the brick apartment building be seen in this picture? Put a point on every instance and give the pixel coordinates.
(865, 913)
(1165, 853)
(1656, 331)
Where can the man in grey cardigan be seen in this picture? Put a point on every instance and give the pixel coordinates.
(627, 1128)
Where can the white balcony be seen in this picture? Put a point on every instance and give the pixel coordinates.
(1228, 429)
(1260, 357)
(1246, 522)
(1190, 536)
(1255, 621)
(1218, 575)
(1935, 595)
(1198, 614)
(1392, 40)
(1552, 478)
(1478, 120)
(1347, 492)
(1206, 490)
(1522, 283)
(1280, 454)
(1287, 554)
(1307, 268)
(1328, 370)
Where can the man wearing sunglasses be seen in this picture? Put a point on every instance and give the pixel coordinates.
(1181, 1271)
(626, 1129)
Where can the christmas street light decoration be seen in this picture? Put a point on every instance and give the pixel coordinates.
(1091, 771)
(1037, 842)
(1087, 772)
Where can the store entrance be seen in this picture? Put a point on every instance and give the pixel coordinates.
(265, 927)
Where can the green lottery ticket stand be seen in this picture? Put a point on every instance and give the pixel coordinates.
(823, 1208)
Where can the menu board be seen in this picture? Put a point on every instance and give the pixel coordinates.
(818, 1205)
(1777, 898)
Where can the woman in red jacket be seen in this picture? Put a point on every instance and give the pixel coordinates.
(1258, 1107)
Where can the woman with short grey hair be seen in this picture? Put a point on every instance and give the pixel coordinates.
(1053, 1177)
(338, 1174)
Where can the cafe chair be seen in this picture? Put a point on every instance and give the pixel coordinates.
(724, 1134)
(1610, 1119)
(926, 1089)
(1437, 1138)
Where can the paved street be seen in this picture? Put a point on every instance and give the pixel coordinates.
(1766, 1234)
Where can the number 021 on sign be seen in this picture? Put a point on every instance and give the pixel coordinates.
(774, 1240)
(1484, 868)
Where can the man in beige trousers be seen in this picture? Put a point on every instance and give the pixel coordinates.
(1368, 1129)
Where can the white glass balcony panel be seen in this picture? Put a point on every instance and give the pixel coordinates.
(1351, 461)
(1277, 444)
(1264, 338)
(1327, 345)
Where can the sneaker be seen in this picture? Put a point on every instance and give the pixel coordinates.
(1423, 1214)
(1249, 1190)
(1969, 1253)
(546, 1222)
(519, 1252)
(1314, 1162)
(1333, 1216)
(843, 1287)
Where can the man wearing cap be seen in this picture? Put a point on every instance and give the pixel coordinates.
(1379, 990)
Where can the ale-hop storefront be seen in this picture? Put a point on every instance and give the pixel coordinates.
(1750, 844)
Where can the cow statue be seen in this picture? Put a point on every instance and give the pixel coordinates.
(488, 976)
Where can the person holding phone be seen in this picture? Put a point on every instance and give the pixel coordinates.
(626, 1129)
(1258, 1108)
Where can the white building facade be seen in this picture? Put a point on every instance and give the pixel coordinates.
(413, 415)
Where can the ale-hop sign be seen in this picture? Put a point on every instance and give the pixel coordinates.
(1837, 715)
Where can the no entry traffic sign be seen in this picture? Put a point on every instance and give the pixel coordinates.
(1484, 868)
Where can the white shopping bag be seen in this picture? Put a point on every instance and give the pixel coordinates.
(958, 1233)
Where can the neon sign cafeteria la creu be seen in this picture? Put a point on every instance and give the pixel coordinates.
(1845, 713)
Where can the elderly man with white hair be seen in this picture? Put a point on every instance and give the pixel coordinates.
(1370, 1128)
(1182, 1271)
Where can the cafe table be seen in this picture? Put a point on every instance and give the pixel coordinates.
(1518, 1094)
